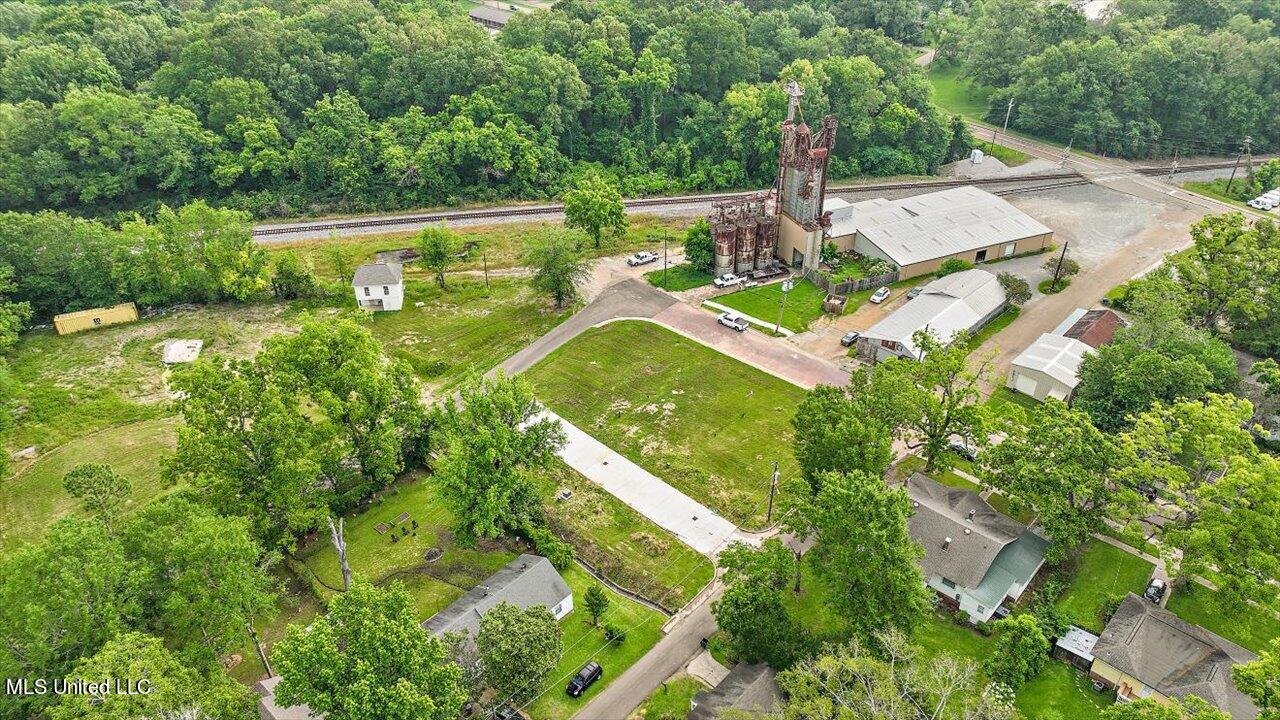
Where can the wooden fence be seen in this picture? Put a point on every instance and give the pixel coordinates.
(824, 281)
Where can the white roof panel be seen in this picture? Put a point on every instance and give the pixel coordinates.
(1056, 356)
(945, 307)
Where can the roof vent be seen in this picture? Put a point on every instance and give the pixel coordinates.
(946, 543)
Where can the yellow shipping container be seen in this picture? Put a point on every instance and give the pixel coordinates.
(72, 322)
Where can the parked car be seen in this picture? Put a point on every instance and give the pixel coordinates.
(729, 280)
(589, 673)
(505, 711)
(880, 295)
(914, 292)
(850, 338)
(963, 449)
(1155, 590)
(644, 257)
(733, 320)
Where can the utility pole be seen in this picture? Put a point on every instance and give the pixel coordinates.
(1173, 169)
(1057, 271)
(1066, 153)
(665, 236)
(782, 306)
(1248, 157)
(1007, 111)
(1236, 166)
(773, 489)
(485, 254)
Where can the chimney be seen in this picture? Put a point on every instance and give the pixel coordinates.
(946, 544)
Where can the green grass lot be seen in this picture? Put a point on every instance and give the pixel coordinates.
(813, 606)
(502, 243)
(1046, 286)
(704, 422)
(465, 327)
(295, 604)
(679, 277)
(1098, 572)
(1251, 628)
(914, 464)
(1006, 155)
(621, 543)
(1000, 322)
(854, 300)
(804, 304)
(956, 95)
(33, 499)
(375, 558)
(1010, 405)
(670, 701)
(1216, 189)
(583, 643)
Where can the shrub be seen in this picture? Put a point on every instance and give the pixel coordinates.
(614, 634)
(1016, 289)
(1020, 651)
(876, 268)
(953, 265)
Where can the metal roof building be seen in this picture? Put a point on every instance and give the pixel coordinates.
(1048, 367)
(918, 233)
(491, 18)
(966, 300)
(524, 582)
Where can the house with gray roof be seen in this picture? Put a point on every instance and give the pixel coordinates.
(490, 18)
(975, 557)
(379, 286)
(966, 301)
(524, 582)
(747, 688)
(1146, 651)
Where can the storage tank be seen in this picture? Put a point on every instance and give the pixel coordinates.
(724, 235)
(746, 245)
(766, 241)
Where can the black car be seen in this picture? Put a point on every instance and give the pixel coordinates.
(850, 338)
(1155, 590)
(589, 673)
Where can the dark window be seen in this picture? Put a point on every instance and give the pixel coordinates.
(982, 255)
(386, 290)
(891, 344)
(948, 583)
(366, 292)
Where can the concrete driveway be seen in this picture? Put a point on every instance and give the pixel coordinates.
(695, 524)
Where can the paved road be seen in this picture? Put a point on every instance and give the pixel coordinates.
(666, 658)
(695, 524)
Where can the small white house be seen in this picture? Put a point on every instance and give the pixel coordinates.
(379, 286)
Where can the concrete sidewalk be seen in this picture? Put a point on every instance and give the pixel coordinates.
(693, 523)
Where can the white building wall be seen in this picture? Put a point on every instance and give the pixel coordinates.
(564, 607)
(392, 296)
(977, 613)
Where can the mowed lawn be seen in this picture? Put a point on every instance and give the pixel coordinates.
(670, 701)
(804, 304)
(705, 423)
(33, 499)
(466, 327)
(583, 643)
(1100, 572)
(619, 542)
(678, 277)
(957, 95)
(374, 557)
(1250, 627)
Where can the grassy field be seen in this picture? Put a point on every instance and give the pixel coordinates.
(623, 544)
(914, 463)
(33, 499)
(956, 95)
(670, 701)
(374, 557)
(500, 244)
(1010, 405)
(465, 327)
(804, 304)
(1251, 628)
(1046, 286)
(1006, 155)
(679, 277)
(583, 643)
(704, 422)
(999, 323)
(1100, 572)
(1215, 189)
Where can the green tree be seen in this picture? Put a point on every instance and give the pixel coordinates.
(1260, 680)
(699, 250)
(843, 429)
(940, 394)
(1189, 708)
(558, 266)
(293, 278)
(594, 205)
(759, 628)
(865, 552)
(438, 248)
(596, 601)
(1059, 266)
(101, 492)
(493, 437)
(1020, 651)
(368, 658)
(14, 316)
(1228, 260)
(246, 445)
(46, 72)
(1016, 288)
(1062, 468)
(335, 154)
(172, 685)
(518, 648)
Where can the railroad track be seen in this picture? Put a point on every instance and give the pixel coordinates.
(1028, 183)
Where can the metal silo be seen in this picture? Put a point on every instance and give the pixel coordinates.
(724, 234)
(746, 245)
(766, 241)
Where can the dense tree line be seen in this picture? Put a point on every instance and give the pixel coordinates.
(1162, 76)
(285, 108)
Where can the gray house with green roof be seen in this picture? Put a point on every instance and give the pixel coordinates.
(975, 557)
